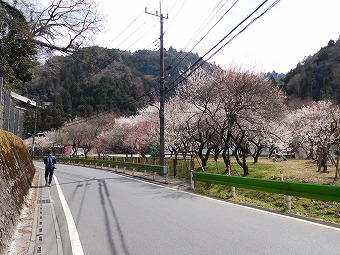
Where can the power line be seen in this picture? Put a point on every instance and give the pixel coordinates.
(125, 29)
(239, 24)
(81, 120)
(174, 16)
(202, 26)
(151, 29)
(134, 32)
(155, 45)
(201, 61)
(232, 6)
(248, 25)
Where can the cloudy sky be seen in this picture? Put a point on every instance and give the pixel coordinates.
(278, 40)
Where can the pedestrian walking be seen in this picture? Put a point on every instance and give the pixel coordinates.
(49, 162)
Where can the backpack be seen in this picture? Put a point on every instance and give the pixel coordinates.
(49, 163)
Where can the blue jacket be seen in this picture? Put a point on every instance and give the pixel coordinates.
(50, 162)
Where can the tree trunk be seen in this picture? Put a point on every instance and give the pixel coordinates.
(241, 158)
(242, 164)
(337, 167)
(203, 158)
(257, 151)
(324, 161)
(175, 165)
(257, 155)
(320, 160)
(271, 151)
(226, 157)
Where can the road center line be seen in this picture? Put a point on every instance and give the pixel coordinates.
(77, 249)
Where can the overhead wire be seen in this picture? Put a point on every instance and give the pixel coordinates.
(204, 36)
(201, 60)
(154, 44)
(189, 71)
(122, 32)
(134, 32)
(126, 28)
(216, 45)
(248, 25)
(144, 34)
(174, 17)
(202, 26)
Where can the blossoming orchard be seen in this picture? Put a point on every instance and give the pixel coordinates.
(221, 114)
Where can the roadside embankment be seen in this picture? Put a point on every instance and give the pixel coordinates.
(16, 174)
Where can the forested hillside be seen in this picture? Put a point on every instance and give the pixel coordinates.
(317, 77)
(97, 80)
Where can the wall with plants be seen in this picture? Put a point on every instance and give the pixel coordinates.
(16, 175)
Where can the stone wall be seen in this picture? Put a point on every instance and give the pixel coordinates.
(16, 174)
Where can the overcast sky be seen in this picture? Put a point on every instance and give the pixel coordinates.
(278, 40)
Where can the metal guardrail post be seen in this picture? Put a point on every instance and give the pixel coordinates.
(233, 191)
(165, 170)
(192, 183)
(287, 198)
(288, 203)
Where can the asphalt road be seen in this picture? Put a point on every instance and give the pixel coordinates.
(113, 214)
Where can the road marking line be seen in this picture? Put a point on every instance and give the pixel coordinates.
(234, 204)
(77, 249)
(56, 226)
(237, 205)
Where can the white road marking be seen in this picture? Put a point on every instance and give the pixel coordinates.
(77, 249)
(237, 205)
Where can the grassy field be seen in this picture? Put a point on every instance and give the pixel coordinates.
(297, 170)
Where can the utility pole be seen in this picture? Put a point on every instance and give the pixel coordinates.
(35, 128)
(161, 87)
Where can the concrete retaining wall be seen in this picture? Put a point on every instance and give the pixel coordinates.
(16, 174)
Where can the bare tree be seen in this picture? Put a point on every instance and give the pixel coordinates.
(31, 29)
(63, 25)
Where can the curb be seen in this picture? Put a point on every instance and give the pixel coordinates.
(35, 222)
(35, 246)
